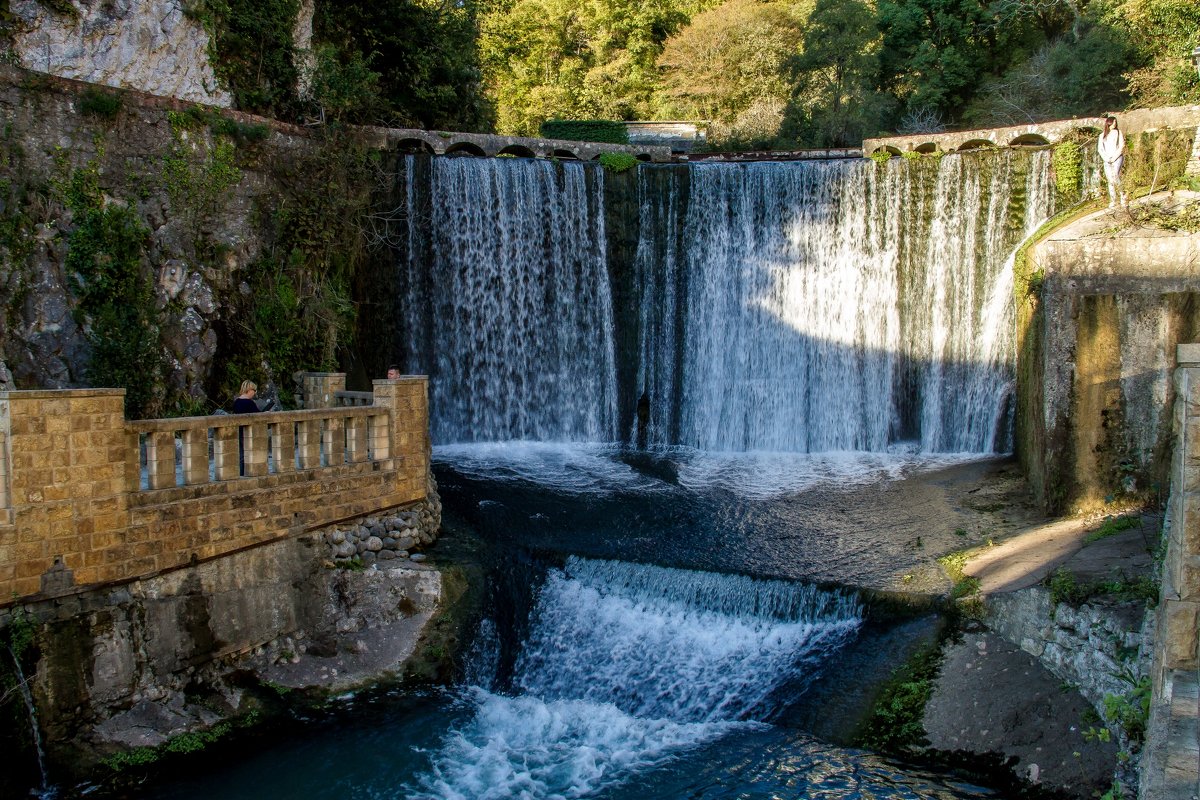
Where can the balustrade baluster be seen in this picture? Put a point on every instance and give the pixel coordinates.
(310, 443)
(225, 453)
(195, 456)
(334, 441)
(283, 446)
(160, 459)
(254, 450)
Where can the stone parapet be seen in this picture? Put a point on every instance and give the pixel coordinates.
(1171, 765)
(97, 499)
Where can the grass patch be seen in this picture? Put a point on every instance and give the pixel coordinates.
(1111, 527)
(1066, 588)
(895, 723)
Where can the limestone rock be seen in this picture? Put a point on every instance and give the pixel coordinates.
(149, 45)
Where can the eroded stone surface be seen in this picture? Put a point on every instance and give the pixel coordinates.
(149, 45)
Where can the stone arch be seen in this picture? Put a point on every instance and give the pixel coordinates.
(465, 149)
(975, 144)
(644, 157)
(520, 151)
(1088, 131)
(565, 155)
(414, 145)
(887, 148)
(1029, 140)
(928, 148)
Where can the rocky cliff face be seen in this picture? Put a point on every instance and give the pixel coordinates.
(149, 45)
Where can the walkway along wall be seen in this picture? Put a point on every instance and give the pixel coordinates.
(1171, 762)
(88, 498)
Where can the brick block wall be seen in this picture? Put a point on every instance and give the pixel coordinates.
(69, 489)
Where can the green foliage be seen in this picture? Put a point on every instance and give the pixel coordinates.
(19, 634)
(105, 253)
(594, 130)
(617, 163)
(1068, 171)
(298, 312)
(1066, 588)
(345, 88)
(421, 58)
(127, 759)
(198, 174)
(252, 52)
(1130, 711)
(1112, 527)
(895, 722)
(566, 59)
(881, 157)
(99, 102)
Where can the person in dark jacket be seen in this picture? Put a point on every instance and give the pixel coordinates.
(244, 404)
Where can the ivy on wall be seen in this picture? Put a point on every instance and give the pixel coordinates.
(106, 249)
(297, 313)
(595, 130)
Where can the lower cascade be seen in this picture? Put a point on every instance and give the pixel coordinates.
(624, 666)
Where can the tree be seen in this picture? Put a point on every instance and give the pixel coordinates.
(729, 58)
(547, 59)
(934, 51)
(425, 56)
(1162, 34)
(834, 73)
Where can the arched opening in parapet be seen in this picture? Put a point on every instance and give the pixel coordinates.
(1088, 132)
(1029, 140)
(517, 150)
(644, 157)
(975, 144)
(887, 148)
(565, 155)
(465, 149)
(414, 146)
(926, 149)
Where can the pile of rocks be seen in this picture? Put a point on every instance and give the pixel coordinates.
(384, 538)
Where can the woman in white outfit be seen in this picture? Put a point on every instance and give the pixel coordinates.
(1112, 153)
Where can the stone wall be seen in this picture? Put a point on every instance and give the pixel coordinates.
(77, 514)
(134, 666)
(1171, 764)
(1099, 646)
(1095, 373)
(151, 45)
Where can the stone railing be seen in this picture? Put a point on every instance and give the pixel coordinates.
(92, 498)
(347, 399)
(1171, 761)
(192, 450)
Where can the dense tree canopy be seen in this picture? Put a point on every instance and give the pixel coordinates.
(783, 73)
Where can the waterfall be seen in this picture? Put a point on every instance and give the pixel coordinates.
(817, 306)
(510, 312)
(44, 790)
(785, 307)
(627, 665)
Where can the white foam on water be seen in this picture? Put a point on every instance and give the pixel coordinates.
(628, 665)
(767, 474)
(571, 467)
(527, 747)
(575, 468)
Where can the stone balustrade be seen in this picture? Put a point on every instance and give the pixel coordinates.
(86, 493)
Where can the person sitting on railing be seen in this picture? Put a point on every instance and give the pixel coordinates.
(244, 404)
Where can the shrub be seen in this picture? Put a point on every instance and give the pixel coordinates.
(99, 103)
(618, 162)
(595, 130)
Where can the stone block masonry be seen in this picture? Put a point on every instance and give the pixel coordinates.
(85, 492)
(1171, 763)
